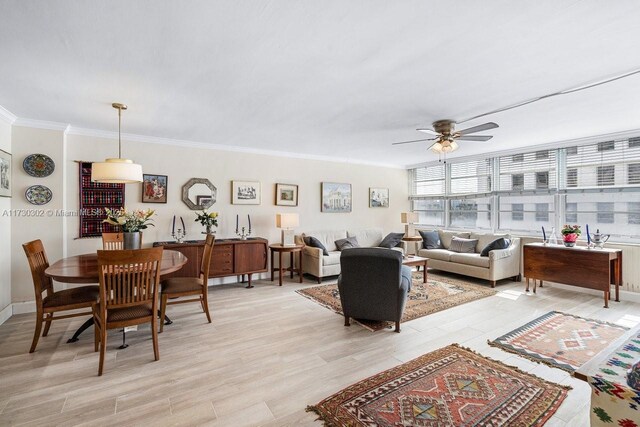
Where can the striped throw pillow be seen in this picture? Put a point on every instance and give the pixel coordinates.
(465, 246)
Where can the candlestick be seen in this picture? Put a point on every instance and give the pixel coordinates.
(173, 227)
(236, 224)
(183, 227)
(544, 235)
(249, 218)
(588, 235)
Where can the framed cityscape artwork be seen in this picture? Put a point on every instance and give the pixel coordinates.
(154, 188)
(5, 174)
(245, 192)
(378, 197)
(336, 197)
(286, 195)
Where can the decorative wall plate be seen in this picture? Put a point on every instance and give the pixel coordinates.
(38, 165)
(38, 195)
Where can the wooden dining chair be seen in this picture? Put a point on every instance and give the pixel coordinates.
(112, 241)
(129, 281)
(53, 302)
(176, 287)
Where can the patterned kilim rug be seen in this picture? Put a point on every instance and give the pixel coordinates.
(560, 340)
(442, 293)
(451, 386)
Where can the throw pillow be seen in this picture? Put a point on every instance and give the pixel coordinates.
(349, 242)
(464, 246)
(500, 243)
(430, 239)
(391, 240)
(315, 243)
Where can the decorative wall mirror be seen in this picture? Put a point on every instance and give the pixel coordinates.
(199, 194)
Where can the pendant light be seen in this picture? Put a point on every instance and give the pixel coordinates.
(117, 171)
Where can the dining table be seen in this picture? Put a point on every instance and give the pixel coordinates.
(84, 269)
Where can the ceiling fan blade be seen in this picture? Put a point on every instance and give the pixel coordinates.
(474, 138)
(429, 131)
(478, 128)
(411, 142)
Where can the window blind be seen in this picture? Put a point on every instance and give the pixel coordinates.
(529, 171)
(472, 177)
(427, 181)
(604, 164)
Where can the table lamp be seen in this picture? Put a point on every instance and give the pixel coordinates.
(409, 218)
(287, 221)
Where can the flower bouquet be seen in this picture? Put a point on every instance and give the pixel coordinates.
(130, 221)
(208, 219)
(570, 234)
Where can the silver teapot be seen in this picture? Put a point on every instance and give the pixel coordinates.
(598, 239)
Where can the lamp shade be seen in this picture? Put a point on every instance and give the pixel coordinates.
(116, 171)
(287, 220)
(408, 217)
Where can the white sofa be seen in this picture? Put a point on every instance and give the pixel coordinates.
(500, 264)
(318, 265)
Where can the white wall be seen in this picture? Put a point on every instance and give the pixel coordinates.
(5, 231)
(180, 164)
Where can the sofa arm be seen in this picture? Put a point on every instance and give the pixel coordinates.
(498, 254)
(312, 252)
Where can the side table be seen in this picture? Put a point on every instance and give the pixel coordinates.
(280, 249)
(414, 239)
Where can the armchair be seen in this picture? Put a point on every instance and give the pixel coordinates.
(373, 284)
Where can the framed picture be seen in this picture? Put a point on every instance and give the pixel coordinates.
(5, 174)
(336, 197)
(204, 200)
(286, 195)
(154, 188)
(245, 192)
(378, 197)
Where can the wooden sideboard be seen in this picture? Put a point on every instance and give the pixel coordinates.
(230, 257)
(578, 266)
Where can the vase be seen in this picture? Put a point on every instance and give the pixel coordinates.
(209, 230)
(570, 239)
(132, 240)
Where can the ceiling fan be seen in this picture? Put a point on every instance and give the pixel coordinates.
(445, 135)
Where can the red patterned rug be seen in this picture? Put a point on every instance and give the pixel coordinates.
(440, 293)
(560, 340)
(452, 386)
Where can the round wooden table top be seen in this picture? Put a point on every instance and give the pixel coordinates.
(84, 268)
(412, 238)
(285, 248)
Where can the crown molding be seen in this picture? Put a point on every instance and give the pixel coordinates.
(547, 146)
(7, 115)
(41, 124)
(221, 147)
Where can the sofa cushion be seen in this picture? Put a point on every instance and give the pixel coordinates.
(446, 236)
(430, 239)
(470, 259)
(441, 254)
(460, 245)
(368, 237)
(391, 240)
(347, 243)
(328, 237)
(315, 243)
(500, 243)
(332, 258)
(485, 239)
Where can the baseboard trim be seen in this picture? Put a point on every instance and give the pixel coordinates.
(24, 307)
(6, 313)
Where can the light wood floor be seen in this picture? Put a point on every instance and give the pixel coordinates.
(267, 355)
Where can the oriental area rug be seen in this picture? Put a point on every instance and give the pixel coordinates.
(560, 340)
(438, 294)
(452, 386)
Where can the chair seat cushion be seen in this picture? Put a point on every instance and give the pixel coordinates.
(332, 258)
(82, 294)
(181, 284)
(129, 313)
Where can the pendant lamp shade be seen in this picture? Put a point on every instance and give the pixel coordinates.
(117, 170)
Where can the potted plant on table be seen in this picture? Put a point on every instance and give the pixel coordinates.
(131, 223)
(570, 234)
(208, 219)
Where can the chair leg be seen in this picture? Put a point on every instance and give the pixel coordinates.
(163, 308)
(47, 324)
(154, 335)
(397, 326)
(36, 333)
(205, 304)
(103, 348)
(346, 321)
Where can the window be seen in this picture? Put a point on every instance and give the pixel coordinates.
(571, 151)
(634, 142)
(605, 213)
(470, 212)
(606, 175)
(542, 180)
(606, 145)
(542, 154)
(517, 212)
(517, 182)
(517, 158)
(572, 177)
(633, 176)
(634, 213)
(430, 212)
(571, 213)
(542, 212)
(472, 177)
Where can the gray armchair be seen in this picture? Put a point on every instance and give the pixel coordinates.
(373, 284)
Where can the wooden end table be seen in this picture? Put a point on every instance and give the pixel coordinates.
(414, 239)
(282, 249)
(417, 261)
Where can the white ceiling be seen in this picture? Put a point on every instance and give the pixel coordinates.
(333, 78)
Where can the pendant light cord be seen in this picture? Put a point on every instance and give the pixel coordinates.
(119, 125)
